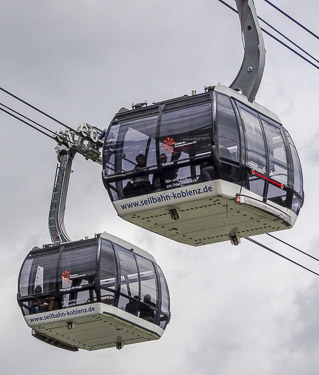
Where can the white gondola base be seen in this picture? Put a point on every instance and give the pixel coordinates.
(94, 326)
(223, 209)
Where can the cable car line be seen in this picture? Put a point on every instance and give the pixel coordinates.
(36, 109)
(289, 40)
(291, 49)
(282, 256)
(292, 19)
(293, 247)
(278, 40)
(27, 118)
(25, 122)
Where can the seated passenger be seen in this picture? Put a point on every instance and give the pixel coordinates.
(207, 172)
(132, 306)
(165, 176)
(147, 311)
(141, 183)
(38, 304)
(54, 299)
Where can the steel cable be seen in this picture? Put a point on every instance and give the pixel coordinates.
(282, 256)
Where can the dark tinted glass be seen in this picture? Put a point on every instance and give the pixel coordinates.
(129, 275)
(137, 138)
(296, 204)
(256, 184)
(43, 274)
(164, 292)
(278, 170)
(277, 195)
(298, 183)
(227, 129)
(78, 264)
(78, 268)
(107, 266)
(255, 146)
(148, 279)
(111, 149)
(186, 132)
(24, 278)
(149, 291)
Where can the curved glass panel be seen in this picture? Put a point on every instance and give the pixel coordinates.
(296, 204)
(24, 278)
(129, 276)
(185, 133)
(255, 146)
(111, 149)
(255, 149)
(131, 147)
(39, 279)
(227, 130)
(277, 195)
(149, 291)
(77, 269)
(298, 181)
(164, 317)
(278, 168)
(108, 274)
(43, 273)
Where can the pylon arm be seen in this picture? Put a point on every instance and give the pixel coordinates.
(250, 74)
(60, 190)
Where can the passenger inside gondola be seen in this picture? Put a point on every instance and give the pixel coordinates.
(53, 300)
(38, 304)
(141, 183)
(207, 172)
(164, 177)
(147, 309)
(132, 306)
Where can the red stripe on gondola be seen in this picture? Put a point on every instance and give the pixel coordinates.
(268, 179)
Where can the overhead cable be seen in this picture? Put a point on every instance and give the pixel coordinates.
(282, 256)
(291, 49)
(292, 19)
(37, 109)
(289, 40)
(27, 118)
(293, 247)
(27, 123)
(278, 40)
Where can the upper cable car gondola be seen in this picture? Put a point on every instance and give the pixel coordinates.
(208, 167)
(93, 294)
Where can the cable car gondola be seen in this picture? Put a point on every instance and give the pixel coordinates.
(208, 167)
(93, 294)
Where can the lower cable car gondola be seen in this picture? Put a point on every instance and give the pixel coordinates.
(204, 168)
(93, 294)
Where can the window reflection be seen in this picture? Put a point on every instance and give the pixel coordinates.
(298, 182)
(227, 129)
(84, 281)
(278, 170)
(255, 147)
(185, 133)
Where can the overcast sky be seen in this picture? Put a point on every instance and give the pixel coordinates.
(235, 310)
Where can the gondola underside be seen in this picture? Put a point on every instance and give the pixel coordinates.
(223, 210)
(102, 327)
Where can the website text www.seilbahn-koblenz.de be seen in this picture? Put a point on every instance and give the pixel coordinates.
(166, 196)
